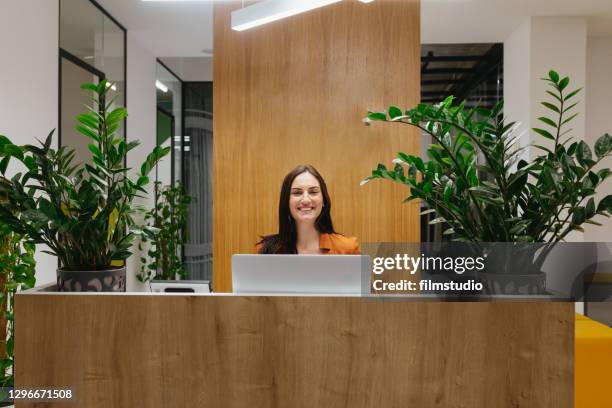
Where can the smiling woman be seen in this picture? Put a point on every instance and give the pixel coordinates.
(304, 219)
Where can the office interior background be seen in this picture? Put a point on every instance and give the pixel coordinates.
(296, 91)
(480, 51)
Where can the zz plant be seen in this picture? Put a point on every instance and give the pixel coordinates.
(169, 220)
(83, 213)
(504, 199)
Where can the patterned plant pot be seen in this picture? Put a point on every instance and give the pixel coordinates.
(110, 280)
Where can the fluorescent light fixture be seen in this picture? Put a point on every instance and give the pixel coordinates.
(272, 10)
(161, 86)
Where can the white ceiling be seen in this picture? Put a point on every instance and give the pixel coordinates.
(168, 29)
(184, 29)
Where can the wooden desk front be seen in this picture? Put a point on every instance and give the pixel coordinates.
(131, 350)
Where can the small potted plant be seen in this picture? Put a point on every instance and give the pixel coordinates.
(169, 218)
(505, 199)
(83, 213)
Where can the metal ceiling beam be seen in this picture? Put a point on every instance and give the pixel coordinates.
(488, 92)
(445, 81)
(427, 71)
(451, 58)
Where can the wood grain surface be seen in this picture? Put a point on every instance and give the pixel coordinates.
(251, 352)
(295, 91)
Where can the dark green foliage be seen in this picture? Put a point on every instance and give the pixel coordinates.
(505, 199)
(82, 213)
(17, 268)
(169, 219)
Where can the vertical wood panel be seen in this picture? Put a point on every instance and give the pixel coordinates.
(295, 91)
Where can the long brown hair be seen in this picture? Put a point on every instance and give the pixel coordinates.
(285, 241)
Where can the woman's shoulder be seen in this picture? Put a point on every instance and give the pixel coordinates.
(342, 244)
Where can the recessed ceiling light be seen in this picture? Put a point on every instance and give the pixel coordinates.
(272, 10)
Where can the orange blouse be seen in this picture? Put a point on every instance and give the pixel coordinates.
(334, 244)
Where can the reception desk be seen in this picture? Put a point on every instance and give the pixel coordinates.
(150, 350)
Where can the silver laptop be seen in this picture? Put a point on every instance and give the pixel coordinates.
(299, 274)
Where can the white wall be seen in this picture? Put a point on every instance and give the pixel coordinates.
(534, 48)
(517, 79)
(599, 119)
(141, 125)
(558, 43)
(29, 83)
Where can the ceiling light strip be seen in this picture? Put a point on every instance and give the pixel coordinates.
(272, 10)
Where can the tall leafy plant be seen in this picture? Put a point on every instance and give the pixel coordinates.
(17, 268)
(83, 213)
(504, 199)
(169, 218)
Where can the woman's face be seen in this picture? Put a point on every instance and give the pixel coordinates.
(305, 199)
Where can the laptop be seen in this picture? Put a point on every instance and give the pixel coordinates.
(299, 274)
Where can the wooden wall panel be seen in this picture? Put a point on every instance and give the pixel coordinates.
(295, 91)
(259, 352)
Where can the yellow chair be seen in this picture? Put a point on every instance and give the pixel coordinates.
(593, 369)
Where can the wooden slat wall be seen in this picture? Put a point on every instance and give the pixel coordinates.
(295, 91)
(259, 352)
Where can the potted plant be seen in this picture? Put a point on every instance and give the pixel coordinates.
(169, 218)
(83, 213)
(504, 199)
(17, 267)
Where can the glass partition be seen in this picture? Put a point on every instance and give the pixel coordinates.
(169, 115)
(197, 177)
(92, 47)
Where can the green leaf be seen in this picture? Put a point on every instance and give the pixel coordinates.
(13, 150)
(605, 204)
(564, 83)
(603, 145)
(377, 116)
(95, 150)
(553, 95)
(4, 141)
(573, 93)
(604, 174)
(4, 164)
(448, 190)
(438, 220)
(89, 86)
(10, 346)
(578, 215)
(590, 208)
(394, 112)
(553, 75)
(85, 131)
(583, 153)
(570, 118)
(548, 121)
(544, 133)
(551, 106)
